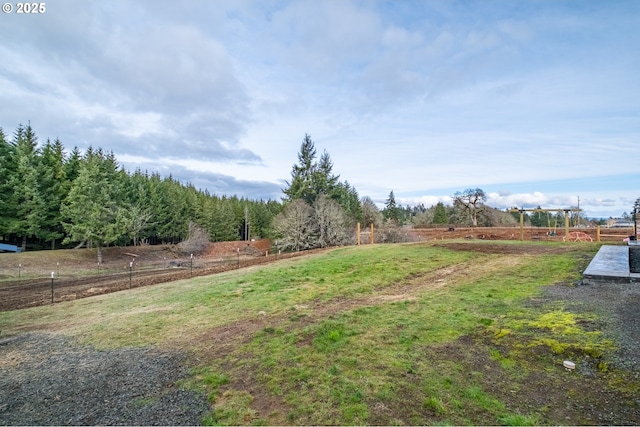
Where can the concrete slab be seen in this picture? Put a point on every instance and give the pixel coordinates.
(611, 264)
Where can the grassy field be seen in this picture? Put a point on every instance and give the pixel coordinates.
(382, 334)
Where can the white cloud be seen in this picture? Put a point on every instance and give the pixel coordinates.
(415, 97)
(427, 201)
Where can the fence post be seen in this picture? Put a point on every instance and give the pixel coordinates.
(371, 235)
(598, 234)
(52, 274)
(358, 234)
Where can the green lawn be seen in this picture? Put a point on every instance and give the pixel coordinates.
(382, 334)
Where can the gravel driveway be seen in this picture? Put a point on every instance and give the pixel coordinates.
(616, 306)
(46, 379)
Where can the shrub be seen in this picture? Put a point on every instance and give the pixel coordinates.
(197, 242)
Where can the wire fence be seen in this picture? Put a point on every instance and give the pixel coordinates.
(24, 286)
(35, 291)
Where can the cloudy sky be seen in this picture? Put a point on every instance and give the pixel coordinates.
(535, 102)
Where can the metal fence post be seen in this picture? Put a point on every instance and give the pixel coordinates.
(52, 275)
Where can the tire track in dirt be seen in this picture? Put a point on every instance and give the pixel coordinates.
(222, 344)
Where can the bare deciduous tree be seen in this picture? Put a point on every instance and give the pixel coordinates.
(472, 201)
(390, 232)
(134, 220)
(197, 241)
(370, 213)
(330, 221)
(294, 225)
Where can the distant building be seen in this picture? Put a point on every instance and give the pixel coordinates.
(619, 223)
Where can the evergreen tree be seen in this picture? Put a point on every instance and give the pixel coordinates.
(347, 197)
(92, 209)
(51, 186)
(177, 225)
(310, 179)
(539, 219)
(27, 201)
(262, 217)
(72, 166)
(223, 226)
(323, 179)
(7, 174)
(137, 216)
(440, 214)
(48, 196)
(159, 209)
(303, 174)
(391, 209)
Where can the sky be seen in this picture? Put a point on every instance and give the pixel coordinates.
(535, 102)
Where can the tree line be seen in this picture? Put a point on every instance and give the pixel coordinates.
(53, 198)
(468, 209)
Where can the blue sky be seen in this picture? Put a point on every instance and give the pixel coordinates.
(535, 102)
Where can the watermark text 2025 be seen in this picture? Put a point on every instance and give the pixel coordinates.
(31, 8)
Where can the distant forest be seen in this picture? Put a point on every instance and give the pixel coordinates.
(51, 198)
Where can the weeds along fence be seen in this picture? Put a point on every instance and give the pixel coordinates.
(28, 291)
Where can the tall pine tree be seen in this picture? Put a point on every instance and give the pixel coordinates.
(51, 180)
(440, 214)
(303, 174)
(91, 210)
(391, 210)
(7, 172)
(26, 199)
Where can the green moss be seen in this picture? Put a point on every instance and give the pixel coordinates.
(558, 321)
(501, 333)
